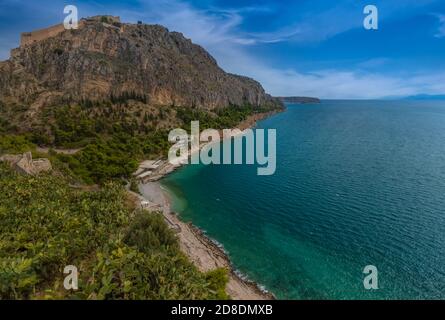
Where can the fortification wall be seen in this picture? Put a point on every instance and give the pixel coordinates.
(39, 35)
(42, 34)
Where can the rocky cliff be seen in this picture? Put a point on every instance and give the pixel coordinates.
(101, 60)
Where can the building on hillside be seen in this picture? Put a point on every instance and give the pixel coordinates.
(28, 38)
(23, 163)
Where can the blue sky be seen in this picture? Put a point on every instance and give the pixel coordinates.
(300, 47)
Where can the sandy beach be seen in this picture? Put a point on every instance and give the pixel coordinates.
(168, 167)
(203, 252)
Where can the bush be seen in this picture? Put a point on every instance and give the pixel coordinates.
(134, 186)
(218, 279)
(223, 118)
(15, 144)
(148, 232)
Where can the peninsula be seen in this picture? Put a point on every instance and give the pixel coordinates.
(299, 100)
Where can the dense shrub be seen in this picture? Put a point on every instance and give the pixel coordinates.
(46, 225)
(111, 144)
(113, 137)
(149, 233)
(15, 144)
(223, 118)
(134, 186)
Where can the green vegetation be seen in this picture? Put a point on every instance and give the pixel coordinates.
(224, 118)
(4, 124)
(114, 157)
(120, 253)
(15, 144)
(103, 160)
(115, 135)
(104, 19)
(134, 185)
(112, 139)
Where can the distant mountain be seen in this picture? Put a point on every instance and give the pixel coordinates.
(426, 97)
(299, 100)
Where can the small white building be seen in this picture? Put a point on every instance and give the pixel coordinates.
(145, 175)
(150, 165)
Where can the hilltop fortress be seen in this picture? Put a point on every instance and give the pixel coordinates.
(28, 38)
(106, 60)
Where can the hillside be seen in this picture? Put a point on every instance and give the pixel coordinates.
(101, 60)
(120, 252)
(113, 91)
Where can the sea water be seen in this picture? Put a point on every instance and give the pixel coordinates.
(357, 183)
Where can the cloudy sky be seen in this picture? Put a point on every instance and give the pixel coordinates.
(293, 47)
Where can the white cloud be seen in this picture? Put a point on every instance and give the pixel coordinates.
(271, 37)
(374, 63)
(441, 31)
(351, 85)
(328, 83)
(210, 26)
(218, 32)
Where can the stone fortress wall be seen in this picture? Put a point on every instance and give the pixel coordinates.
(28, 38)
(39, 35)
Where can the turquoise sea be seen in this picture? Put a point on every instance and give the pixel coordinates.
(357, 183)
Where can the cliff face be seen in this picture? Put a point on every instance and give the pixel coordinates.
(100, 60)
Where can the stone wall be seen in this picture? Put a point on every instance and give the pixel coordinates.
(39, 35)
(28, 38)
(24, 164)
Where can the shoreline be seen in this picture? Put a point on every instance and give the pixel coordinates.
(205, 253)
(250, 122)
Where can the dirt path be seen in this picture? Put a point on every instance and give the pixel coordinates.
(59, 151)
